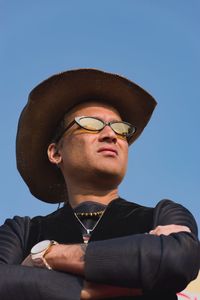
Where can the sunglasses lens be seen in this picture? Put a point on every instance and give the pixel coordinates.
(91, 123)
(123, 128)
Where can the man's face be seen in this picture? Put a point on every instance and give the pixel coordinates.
(90, 155)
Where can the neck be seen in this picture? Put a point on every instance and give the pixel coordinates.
(79, 195)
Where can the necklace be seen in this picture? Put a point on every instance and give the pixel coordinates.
(90, 214)
(87, 235)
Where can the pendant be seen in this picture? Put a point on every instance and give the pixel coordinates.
(86, 237)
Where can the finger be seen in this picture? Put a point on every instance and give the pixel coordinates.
(168, 229)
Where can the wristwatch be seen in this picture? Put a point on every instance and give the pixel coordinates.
(38, 252)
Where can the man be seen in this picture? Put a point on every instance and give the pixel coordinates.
(72, 147)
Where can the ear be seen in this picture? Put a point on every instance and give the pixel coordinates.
(54, 154)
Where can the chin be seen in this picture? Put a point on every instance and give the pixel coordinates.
(109, 176)
(110, 167)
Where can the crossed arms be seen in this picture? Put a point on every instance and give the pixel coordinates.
(146, 260)
(71, 259)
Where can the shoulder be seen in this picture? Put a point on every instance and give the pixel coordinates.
(51, 217)
(23, 223)
(16, 224)
(14, 234)
(129, 205)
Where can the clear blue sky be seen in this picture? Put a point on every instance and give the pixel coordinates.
(155, 43)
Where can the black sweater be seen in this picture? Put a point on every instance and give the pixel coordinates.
(120, 252)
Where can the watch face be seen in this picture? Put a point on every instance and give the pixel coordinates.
(41, 246)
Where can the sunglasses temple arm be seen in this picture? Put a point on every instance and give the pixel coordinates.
(65, 129)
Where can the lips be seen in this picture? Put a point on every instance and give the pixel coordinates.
(108, 149)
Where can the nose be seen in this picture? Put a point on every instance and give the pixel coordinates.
(107, 135)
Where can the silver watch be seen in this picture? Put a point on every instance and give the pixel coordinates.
(38, 252)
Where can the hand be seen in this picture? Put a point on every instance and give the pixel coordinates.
(99, 291)
(67, 258)
(60, 257)
(168, 229)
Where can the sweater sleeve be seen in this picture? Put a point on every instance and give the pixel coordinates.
(29, 283)
(153, 263)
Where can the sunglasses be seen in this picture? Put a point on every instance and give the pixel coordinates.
(123, 129)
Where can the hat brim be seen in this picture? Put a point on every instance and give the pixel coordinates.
(47, 104)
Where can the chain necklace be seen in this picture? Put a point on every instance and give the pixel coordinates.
(87, 235)
(90, 214)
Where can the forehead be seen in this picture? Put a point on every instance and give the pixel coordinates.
(93, 108)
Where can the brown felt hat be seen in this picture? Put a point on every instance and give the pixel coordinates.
(47, 104)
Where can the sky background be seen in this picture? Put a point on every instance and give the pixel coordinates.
(155, 43)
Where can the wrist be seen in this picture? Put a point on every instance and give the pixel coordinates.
(39, 251)
(75, 258)
(56, 256)
(67, 258)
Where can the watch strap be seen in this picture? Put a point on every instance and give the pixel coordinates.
(39, 258)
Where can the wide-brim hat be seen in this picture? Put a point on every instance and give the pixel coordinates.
(47, 104)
